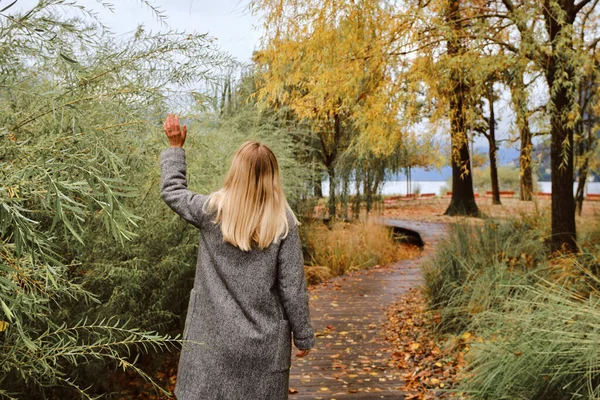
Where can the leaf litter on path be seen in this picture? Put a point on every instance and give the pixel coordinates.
(431, 365)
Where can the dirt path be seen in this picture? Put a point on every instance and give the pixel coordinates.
(351, 356)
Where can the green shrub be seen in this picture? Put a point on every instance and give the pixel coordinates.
(80, 110)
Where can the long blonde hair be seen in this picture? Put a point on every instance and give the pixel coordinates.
(251, 206)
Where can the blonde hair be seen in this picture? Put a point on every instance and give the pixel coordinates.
(251, 206)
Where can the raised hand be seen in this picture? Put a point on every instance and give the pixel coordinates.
(174, 132)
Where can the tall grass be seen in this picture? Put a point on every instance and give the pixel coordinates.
(536, 314)
(343, 247)
(544, 344)
(472, 269)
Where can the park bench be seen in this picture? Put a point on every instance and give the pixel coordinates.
(543, 195)
(503, 193)
(449, 194)
(592, 197)
(391, 199)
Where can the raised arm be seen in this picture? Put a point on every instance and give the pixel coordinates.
(173, 187)
(292, 289)
(173, 182)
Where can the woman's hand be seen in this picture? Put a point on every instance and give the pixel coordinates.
(302, 353)
(174, 132)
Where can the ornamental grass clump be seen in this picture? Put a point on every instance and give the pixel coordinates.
(474, 267)
(346, 247)
(543, 344)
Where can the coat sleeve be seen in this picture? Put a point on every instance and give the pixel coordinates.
(292, 289)
(173, 187)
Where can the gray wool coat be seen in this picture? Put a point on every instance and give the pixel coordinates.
(243, 308)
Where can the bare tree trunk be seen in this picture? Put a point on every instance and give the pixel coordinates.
(332, 201)
(526, 181)
(564, 235)
(493, 150)
(318, 188)
(357, 197)
(580, 193)
(463, 197)
(520, 105)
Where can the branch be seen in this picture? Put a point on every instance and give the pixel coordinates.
(592, 45)
(577, 7)
(509, 5)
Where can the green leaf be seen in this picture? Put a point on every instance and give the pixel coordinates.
(68, 59)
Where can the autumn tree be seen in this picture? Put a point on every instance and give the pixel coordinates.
(548, 37)
(519, 93)
(334, 63)
(586, 136)
(457, 92)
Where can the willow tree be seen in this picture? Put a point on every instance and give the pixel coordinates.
(548, 37)
(586, 136)
(333, 64)
(519, 93)
(77, 105)
(443, 64)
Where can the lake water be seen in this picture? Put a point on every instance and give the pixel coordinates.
(399, 187)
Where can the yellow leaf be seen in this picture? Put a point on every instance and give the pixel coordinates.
(3, 326)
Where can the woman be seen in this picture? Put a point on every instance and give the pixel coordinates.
(250, 292)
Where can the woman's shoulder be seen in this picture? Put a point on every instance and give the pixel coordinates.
(291, 219)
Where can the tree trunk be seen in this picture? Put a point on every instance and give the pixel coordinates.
(519, 100)
(463, 197)
(560, 75)
(493, 151)
(368, 190)
(357, 197)
(585, 130)
(526, 181)
(344, 195)
(580, 194)
(582, 173)
(331, 201)
(318, 189)
(563, 204)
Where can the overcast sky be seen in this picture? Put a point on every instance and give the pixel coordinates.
(227, 20)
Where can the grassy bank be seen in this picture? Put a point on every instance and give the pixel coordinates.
(343, 247)
(536, 315)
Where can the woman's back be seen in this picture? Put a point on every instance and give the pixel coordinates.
(242, 307)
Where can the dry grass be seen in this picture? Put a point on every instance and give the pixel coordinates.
(343, 247)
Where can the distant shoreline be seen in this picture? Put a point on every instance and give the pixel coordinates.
(399, 187)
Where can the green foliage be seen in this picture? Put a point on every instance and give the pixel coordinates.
(79, 110)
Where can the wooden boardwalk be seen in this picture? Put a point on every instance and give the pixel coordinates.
(351, 358)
